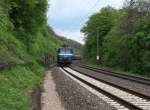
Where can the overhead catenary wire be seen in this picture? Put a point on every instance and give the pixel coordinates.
(90, 10)
(88, 13)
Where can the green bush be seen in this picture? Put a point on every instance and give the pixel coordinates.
(16, 86)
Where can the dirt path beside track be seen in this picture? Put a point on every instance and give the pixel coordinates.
(49, 98)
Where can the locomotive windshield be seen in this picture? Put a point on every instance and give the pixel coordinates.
(65, 51)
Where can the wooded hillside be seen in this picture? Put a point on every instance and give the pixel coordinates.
(64, 41)
(24, 38)
(25, 41)
(23, 31)
(124, 37)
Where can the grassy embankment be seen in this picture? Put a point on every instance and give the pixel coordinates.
(23, 38)
(16, 86)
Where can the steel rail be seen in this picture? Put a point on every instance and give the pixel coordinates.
(144, 96)
(110, 95)
(136, 79)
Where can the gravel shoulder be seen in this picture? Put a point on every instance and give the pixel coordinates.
(75, 97)
(50, 99)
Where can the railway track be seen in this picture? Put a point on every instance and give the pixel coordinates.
(141, 89)
(118, 98)
(138, 79)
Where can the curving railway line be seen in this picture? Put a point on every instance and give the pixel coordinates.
(139, 86)
(119, 97)
(134, 78)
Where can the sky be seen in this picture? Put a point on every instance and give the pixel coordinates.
(67, 17)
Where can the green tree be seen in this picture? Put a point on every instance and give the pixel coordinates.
(99, 24)
(28, 17)
(124, 37)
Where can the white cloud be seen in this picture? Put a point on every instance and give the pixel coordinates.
(68, 16)
(68, 8)
(64, 9)
(75, 35)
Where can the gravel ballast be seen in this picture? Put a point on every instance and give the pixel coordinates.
(75, 97)
(141, 88)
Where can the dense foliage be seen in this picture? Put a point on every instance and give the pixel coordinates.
(124, 37)
(16, 86)
(23, 31)
(23, 38)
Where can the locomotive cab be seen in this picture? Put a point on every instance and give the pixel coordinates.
(64, 56)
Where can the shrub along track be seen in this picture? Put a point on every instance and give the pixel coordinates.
(93, 75)
(23, 82)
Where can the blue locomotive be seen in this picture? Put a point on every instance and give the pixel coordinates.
(64, 56)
